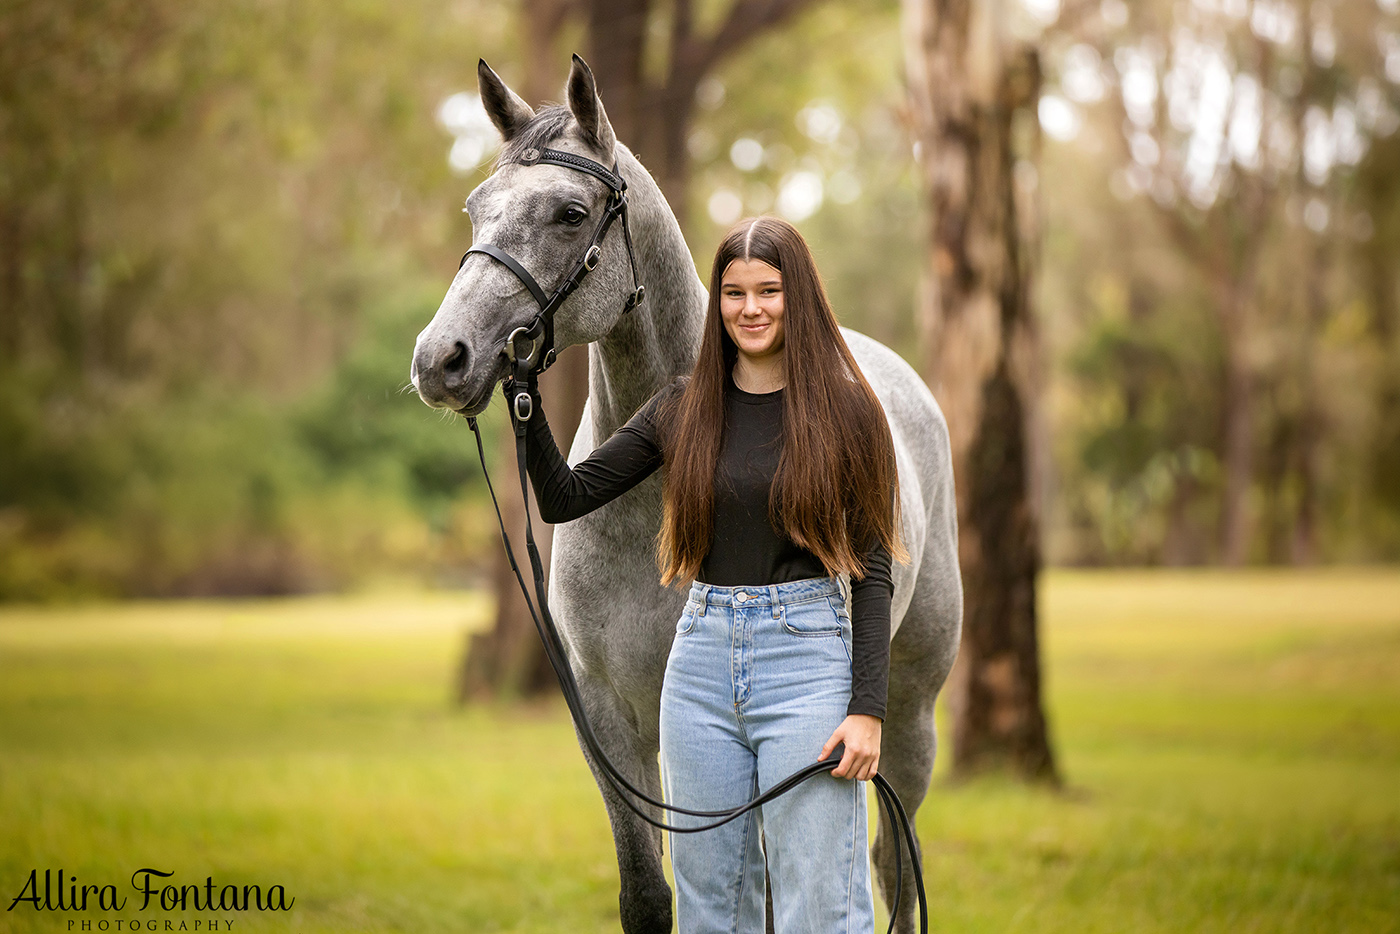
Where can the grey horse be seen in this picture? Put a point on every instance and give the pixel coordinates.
(615, 618)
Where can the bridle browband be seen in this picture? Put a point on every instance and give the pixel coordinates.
(538, 335)
(530, 350)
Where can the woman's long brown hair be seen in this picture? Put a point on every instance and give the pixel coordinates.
(835, 490)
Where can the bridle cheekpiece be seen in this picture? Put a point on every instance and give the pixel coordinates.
(530, 349)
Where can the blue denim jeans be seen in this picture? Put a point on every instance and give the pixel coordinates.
(758, 679)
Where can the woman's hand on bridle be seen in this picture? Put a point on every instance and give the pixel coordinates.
(861, 759)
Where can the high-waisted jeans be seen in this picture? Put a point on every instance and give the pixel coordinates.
(758, 679)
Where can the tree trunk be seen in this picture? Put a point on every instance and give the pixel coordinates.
(617, 34)
(1274, 469)
(12, 310)
(1234, 259)
(669, 155)
(1181, 545)
(1304, 547)
(967, 86)
(1379, 187)
(541, 22)
(1235, 524)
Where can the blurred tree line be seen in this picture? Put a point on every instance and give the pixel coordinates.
(222, 224)
(1223, 254)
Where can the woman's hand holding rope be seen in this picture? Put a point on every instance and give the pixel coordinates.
(861, 759)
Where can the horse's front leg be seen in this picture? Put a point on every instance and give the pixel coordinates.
(645, 899)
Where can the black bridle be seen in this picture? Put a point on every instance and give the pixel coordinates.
(530, 350)
(537, 337)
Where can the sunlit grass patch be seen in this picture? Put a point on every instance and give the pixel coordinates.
(1231, 744)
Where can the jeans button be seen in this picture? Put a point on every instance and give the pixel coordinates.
(742, 597)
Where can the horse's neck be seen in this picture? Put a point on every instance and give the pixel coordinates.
(659, 339)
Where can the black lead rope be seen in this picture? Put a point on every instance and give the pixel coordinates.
(558, 659)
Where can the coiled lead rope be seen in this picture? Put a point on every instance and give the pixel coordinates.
(558, 660)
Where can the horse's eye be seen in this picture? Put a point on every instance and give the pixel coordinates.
(572, 216)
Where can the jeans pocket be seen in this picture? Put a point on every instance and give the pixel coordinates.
(811, 618)
(687, 620)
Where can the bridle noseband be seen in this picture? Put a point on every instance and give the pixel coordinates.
(530, 349)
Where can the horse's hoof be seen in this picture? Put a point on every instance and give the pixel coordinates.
(646, 910)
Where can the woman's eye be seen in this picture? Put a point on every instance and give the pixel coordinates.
(572, 216)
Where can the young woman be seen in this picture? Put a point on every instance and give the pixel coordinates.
(779, 484)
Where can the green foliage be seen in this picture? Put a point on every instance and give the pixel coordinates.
(1143, 427)
(236, 493)
(217, 222)
(1231, 745)
(368, 423)
(221, 224)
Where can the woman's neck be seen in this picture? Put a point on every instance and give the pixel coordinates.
(764, 374)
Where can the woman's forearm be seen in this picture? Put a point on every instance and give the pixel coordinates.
(614, 467)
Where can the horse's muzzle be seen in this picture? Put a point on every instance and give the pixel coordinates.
(441, 375)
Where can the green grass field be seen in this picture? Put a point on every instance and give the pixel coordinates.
(1231, 744)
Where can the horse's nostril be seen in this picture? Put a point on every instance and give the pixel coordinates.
(456, 363)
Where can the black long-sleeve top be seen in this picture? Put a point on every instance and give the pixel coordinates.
(745, 548)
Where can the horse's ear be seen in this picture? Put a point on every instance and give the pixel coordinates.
(586, 107)
(504, 106)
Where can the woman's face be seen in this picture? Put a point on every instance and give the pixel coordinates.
(751, 304)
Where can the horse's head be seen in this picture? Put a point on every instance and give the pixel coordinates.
(543, 216)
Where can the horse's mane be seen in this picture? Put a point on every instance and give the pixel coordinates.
(548, 125)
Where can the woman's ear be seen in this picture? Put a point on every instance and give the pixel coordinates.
(587, 108)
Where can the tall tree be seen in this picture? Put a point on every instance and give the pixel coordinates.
(973, 93)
